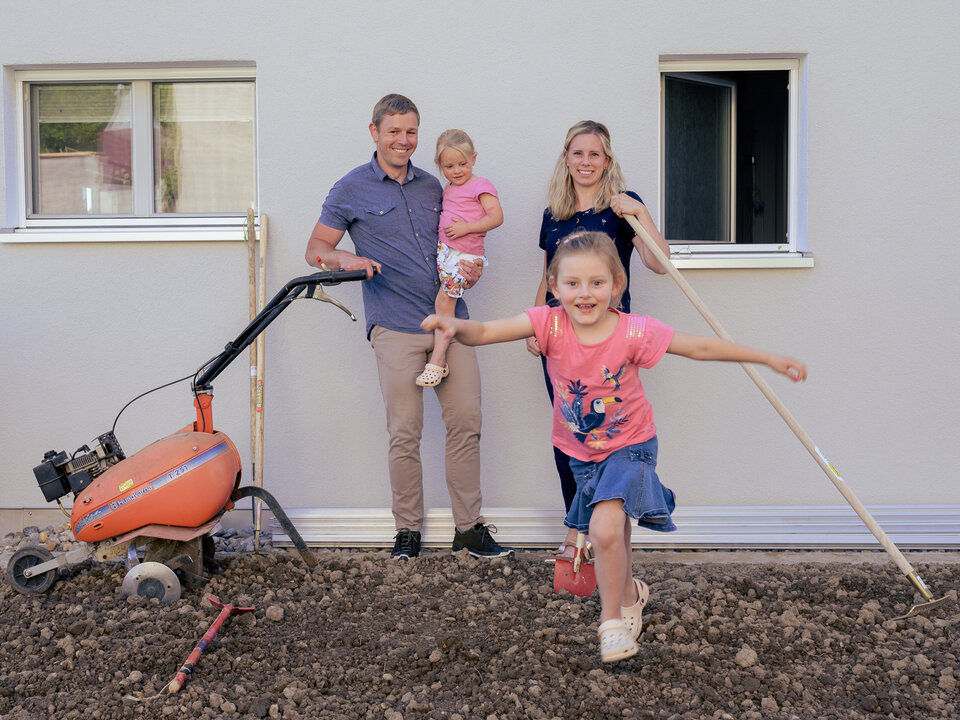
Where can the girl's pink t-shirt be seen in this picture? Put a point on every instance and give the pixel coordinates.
(463, 201)
(599, 405)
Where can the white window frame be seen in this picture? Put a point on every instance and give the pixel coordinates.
(178, 227)
(732, 255)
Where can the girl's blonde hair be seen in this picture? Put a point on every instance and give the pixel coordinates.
(561, 196)
(454, 140)
(600, 245)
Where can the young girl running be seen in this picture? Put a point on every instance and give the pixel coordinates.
(602, 418)
(470, 210)
(588, 192)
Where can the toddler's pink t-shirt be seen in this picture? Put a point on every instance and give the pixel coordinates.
(599, 405)
(463, 201)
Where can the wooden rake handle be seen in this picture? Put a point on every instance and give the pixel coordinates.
(787, 416)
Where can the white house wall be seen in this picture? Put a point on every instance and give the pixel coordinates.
(87, 326)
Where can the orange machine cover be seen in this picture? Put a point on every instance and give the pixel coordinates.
(183, 480)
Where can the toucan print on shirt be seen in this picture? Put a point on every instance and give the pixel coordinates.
(595, 427)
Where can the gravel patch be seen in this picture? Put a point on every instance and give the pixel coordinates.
(451, 637)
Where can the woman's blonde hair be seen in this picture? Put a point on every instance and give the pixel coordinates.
(600, 245)
(561, 196)
(454, 140)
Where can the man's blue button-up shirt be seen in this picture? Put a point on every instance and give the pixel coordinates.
(396, 226)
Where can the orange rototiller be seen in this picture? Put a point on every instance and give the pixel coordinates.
(157, 507)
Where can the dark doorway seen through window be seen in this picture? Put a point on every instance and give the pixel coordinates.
(725, 157)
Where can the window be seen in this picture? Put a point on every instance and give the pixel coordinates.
(80, 149)
(729, 159)
(145, 148)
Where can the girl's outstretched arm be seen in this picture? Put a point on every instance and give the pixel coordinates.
(473, 332)
(699, 347)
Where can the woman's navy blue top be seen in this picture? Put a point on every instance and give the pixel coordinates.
(552, 231)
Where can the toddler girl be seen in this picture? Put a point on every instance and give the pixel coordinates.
(602, 418)
(470, 209)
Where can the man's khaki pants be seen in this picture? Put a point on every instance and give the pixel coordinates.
(400, 359)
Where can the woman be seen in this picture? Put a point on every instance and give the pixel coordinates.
(588, 192)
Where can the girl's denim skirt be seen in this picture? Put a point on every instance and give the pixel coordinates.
(628, 474)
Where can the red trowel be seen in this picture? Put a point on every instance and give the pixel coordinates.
(576, 576)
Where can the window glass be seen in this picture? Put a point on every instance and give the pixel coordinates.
(697, 140)
(729, 150)
(81, 133)
(204, 147)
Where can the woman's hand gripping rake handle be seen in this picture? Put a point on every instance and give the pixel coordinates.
(791, 421)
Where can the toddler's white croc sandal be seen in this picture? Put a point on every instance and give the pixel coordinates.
(616, 642)
(633, 615)
(432, 375)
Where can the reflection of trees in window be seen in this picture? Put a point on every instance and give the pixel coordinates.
(167, 147)
(70, 137)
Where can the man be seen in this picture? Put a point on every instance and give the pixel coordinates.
(391, 210)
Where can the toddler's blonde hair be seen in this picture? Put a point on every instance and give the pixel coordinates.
(454, 139)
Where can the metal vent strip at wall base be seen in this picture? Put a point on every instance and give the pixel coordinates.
(916, 527)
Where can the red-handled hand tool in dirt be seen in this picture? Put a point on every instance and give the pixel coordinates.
(225, 612)
(575, 576)
(892, 550)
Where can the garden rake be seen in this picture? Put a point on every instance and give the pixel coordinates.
(906, 568)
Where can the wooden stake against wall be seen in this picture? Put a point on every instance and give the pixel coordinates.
(261, 364)
(251, 240)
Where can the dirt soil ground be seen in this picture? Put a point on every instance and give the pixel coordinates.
(448, 636)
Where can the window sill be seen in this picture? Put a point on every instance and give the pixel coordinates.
(218, 233)
(711, 261)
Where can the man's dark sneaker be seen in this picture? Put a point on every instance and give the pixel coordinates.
(478, 542)
(406, 544)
